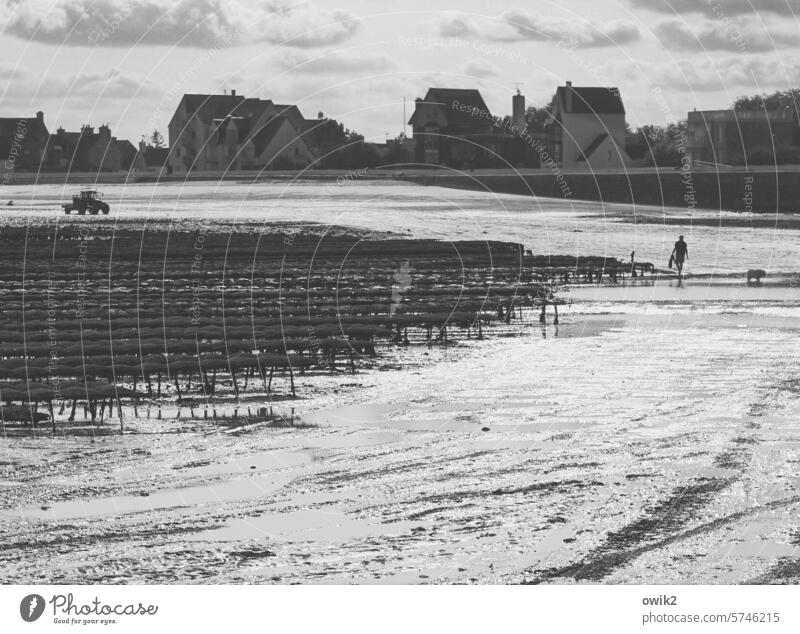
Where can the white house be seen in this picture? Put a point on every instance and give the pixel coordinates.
(586, 128)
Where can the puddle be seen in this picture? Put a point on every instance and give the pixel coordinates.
(356, 439)
(350, 415)
(268, 460)
(233, 491)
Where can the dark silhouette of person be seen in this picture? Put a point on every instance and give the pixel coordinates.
(680, 254)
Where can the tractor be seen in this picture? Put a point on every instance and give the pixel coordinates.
(87, 200)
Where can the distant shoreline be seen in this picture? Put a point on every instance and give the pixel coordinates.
(369, 173)
(757, 189)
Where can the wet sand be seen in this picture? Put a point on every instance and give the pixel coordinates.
(650, 437)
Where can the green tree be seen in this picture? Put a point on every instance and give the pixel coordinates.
(778, 100)
(663, 143)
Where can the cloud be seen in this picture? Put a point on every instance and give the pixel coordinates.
(339, 64)
(9, 72)
(456, 26)
(521, 26)
(112, 84)
(732, 74)
(723, 36)
(720, 8)
(192, 23)
(480, 67)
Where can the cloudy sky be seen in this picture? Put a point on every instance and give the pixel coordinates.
(127, 62)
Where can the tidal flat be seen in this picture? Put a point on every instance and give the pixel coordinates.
(651, 436)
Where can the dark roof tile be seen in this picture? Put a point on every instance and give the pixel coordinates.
(591, 100)
(451, 99)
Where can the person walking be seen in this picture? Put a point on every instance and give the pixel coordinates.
(679, 255)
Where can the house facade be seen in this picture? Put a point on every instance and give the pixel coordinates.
(450, 127)
(586, 128)
(89, 151)
(231, 132)
(728, 137)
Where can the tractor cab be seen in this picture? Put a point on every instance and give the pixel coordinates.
(89, 194)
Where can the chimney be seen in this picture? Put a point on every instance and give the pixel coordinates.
(233, 93)
(40, 115)
(518, 111)
(568, 96)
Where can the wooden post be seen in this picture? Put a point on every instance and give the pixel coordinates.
(119, 411)
(235, 386)
(291, 378)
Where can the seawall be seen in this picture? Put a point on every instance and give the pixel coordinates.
(754, 190)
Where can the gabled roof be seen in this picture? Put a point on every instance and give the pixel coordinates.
(447, 98)
(590, 100)
(266, 134)
(125, 146)
(35, 127)
(210, 107)
(292, 112)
